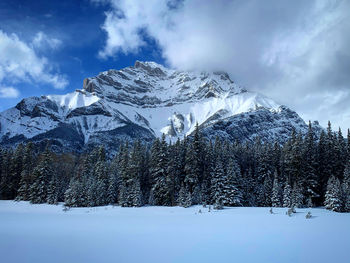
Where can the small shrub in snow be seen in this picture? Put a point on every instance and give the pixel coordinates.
(308, 215)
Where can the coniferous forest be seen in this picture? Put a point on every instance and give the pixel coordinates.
(306, 171)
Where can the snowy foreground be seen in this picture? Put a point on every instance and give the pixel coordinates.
(45, 233)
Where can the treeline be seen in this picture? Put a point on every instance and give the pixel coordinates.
(306, 171)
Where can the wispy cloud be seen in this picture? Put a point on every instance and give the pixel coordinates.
(9, 92)
(41, 40)
(19, 62)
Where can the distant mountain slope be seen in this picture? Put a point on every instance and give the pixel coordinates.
(143, 102)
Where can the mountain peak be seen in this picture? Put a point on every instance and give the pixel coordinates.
(144, 101)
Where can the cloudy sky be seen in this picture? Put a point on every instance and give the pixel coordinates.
(296, 52)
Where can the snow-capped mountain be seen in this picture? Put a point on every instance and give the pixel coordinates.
(143, 102)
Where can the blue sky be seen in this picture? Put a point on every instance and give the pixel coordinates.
(76, 25)
(295, 52)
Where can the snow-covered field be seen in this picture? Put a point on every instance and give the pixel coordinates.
(45, 233)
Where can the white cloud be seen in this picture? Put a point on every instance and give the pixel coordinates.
(297, 52)
(20, 63)
(9, 92)
(41, 40)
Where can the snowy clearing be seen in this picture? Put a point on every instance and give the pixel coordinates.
(45, 233)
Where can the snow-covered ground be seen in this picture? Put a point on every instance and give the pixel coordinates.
(45, 233)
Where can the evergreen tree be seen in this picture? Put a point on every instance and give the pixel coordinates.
(5, 183)
(134, 176)
(112, 188)
(348, 146)
(276, 192)
(218, 183)
(333, 195)
(346, 187)
(297, 195)
(41, 176)
(16, 167)
(232, 194)
(185, 198)
(26, 174)
(309, 178)
(287, 196)
(193, 166)
(52, 191)
(102, 180)
(162, 183)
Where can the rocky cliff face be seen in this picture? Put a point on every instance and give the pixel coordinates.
(143, 102)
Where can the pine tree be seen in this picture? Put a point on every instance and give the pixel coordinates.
(297, 195)
(16, 167)
(232, 194)
(5, 183)
(102, 180)
(340, 154)
(42, 174)
(26, 174)
(333, 195)
(207, 172)
(112, 189)
(71, 195)
(52, 191)
(185, 198)
(287, 196)
(134, 176)
(276, 192)
(193, 166)
(348, 146)
(346, 187)
(217, 183)
(123, 171)
(162, 183)
(309, 178)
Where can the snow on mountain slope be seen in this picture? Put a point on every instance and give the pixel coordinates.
(145, 101)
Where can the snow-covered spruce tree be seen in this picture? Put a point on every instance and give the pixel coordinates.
(5, 190)
(267, 188)
(264, 176)
(75, 196)
(207, 173)
(26, 174)
(309, 177)
(112, 188)
(248, 188)
(185, 199)
(232, 193)
(52, 191)
(193, 166)
(16, 167)
(333, 196)
(297, 195)
(124, 176)
(174, 171)
(218, 183)
(162, 184)
(42, 174)
(348, 146)
(346, 187)
(324, 168)
(101, 177)
(276, 192)
(287, 195)
(339, 153)
(134, 176)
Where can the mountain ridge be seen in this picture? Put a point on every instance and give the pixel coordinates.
(143, 102)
